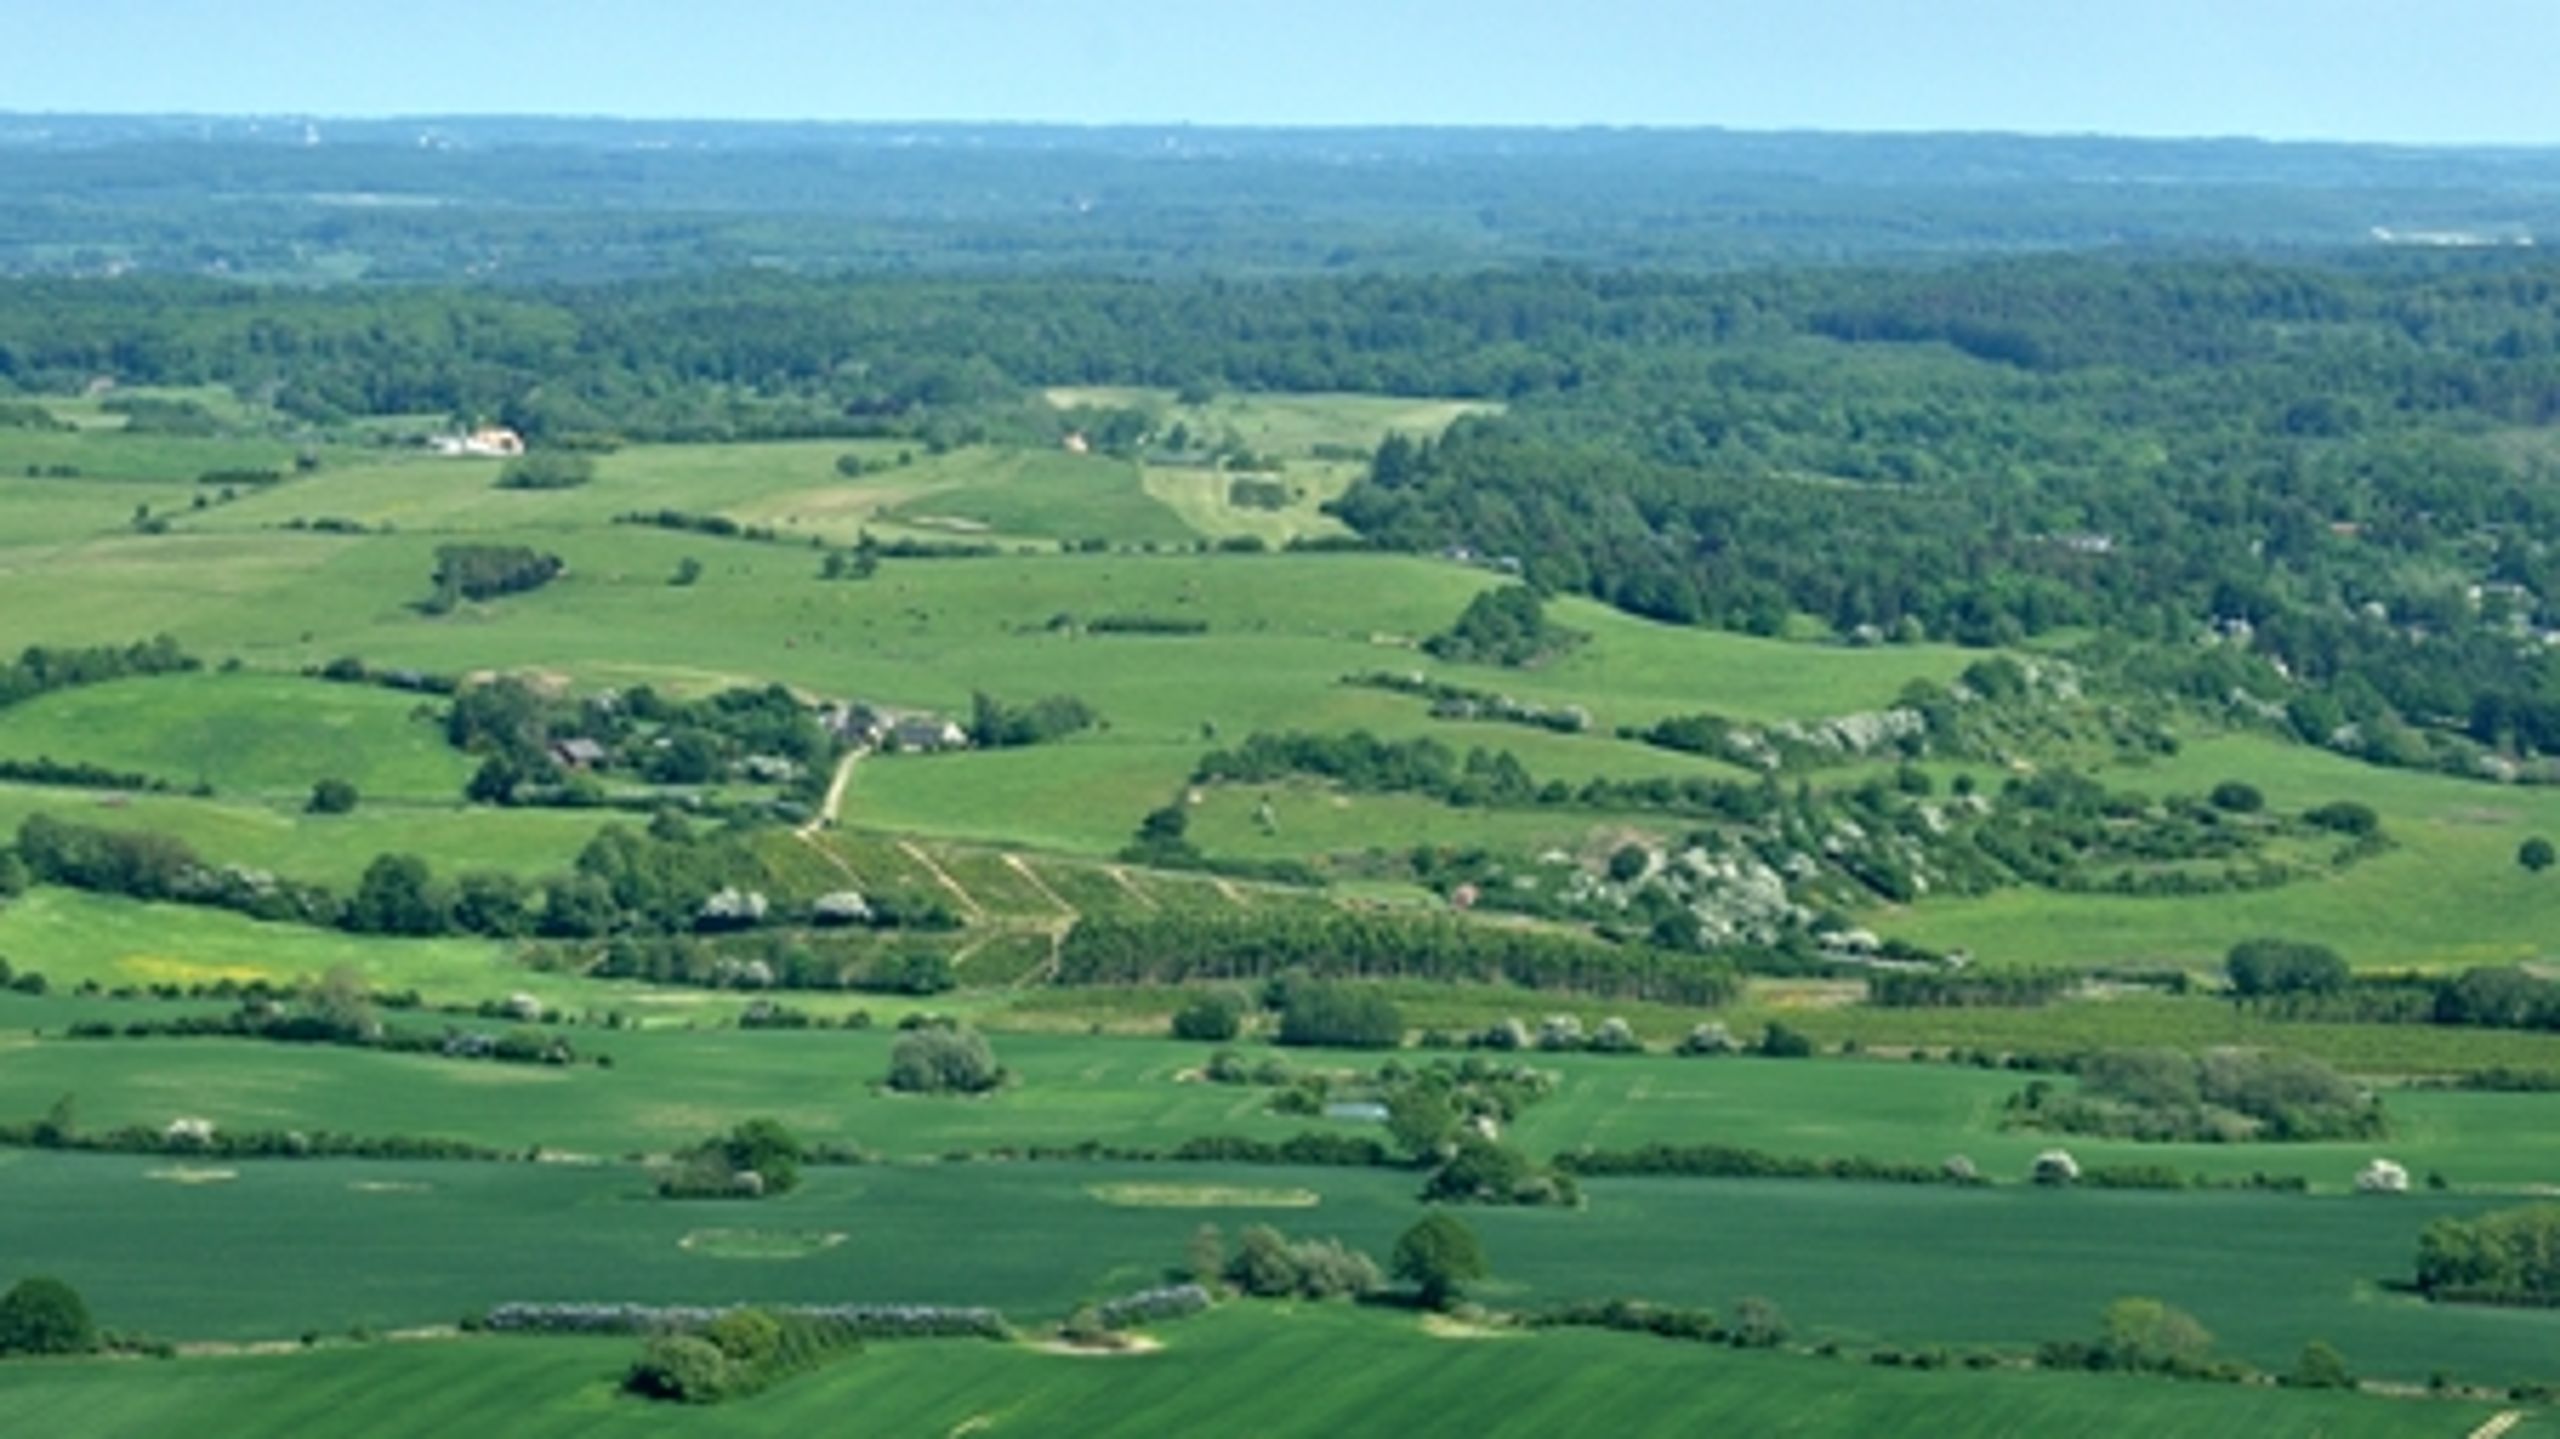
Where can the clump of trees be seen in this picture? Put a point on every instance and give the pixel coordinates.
(1340, 1016)
(1269, 1265)
(936, 1059)
(995, 724)
(484, 572)
(2142, 1335)
(1487, 1171)
(547, 470)
(2264, 967)
(2511, 1256)
(735, 1354)
(1504, 626)
(755, 1160)
(1213, 1018)
(2223, 1094)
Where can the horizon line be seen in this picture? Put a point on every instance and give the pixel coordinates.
(1306, 127)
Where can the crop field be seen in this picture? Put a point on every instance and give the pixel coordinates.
(1866, 1263)
(1214, 1373)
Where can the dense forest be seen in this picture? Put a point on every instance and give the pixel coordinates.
(2314, 491)
(533, 200)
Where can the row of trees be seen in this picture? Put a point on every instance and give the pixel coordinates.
(1173, 949)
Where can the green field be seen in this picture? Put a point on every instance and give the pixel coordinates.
(163, 1240)
(325, 849)
(2455, 856)
(246, 734)
(1018, 842)
(670, 1084)
(1218, 1373)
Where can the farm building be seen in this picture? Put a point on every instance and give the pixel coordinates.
(927, 733)
(490, 442)
(579, 753)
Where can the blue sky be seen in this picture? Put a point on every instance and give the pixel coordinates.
(2405, 70)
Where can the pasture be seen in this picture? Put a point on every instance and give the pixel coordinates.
(264, 736)
(2454, 856)
(1215, 1374)
(671, 1083)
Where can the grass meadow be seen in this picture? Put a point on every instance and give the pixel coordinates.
(2449, 895)
(669, 1085)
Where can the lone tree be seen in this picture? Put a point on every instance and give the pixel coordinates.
(45, 1316)
(1438, 1255)
(2536, 854)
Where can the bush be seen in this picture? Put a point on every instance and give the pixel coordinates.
(332, 796)
(1211, 1018)
(2536, 854)
(45, 1316)
(1780, 1042)
(2345, 817)
(2321, 1367)
(682, 1368)
(2238, 797)
(943, 1061)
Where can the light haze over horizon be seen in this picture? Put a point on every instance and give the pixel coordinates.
(2449, 72)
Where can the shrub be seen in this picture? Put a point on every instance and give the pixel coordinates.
(1757, 1324)
(684, 1368)
(943, 1061)
(2345, 817)
(2238, 797)
(2055, 1167)
(332, 796)
(1780, 1042)
(2321, 1367)
(2536, 854)
(45, 1316)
